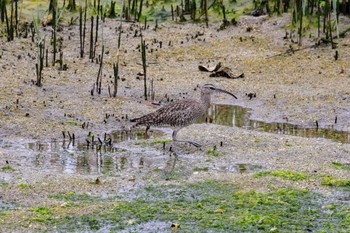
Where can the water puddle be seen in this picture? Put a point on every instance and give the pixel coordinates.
(7, 206)
(106, 155)
(93, 157)
(92, 142)
(232, 115)
(122, 135)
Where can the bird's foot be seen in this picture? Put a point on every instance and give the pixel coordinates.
(176, 155)
(173, 152)
(196, 144)
(192, 143)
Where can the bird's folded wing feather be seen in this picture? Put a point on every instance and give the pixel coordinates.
(175, 114)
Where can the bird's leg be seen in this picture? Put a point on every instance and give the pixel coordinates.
(173, 144)
(183, 141)
(147, 128)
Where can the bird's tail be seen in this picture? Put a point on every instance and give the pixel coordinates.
(136, 122)
(142, 121)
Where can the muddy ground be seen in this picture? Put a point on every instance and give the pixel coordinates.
(300, 88)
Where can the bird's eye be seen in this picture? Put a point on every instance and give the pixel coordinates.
(212, 88)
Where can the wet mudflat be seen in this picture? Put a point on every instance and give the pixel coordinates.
(265, 166)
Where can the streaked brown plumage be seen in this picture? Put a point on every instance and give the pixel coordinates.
(181, 113)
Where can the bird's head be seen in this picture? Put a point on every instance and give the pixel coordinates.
(209, 89)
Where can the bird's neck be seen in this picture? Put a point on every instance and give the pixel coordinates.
(205, 99)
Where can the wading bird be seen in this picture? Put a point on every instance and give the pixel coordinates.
(181, 113)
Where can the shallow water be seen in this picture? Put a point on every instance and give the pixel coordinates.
(108, 156)
(232, 115)
(7, 205)
(95, 158)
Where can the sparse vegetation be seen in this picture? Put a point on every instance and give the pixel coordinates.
(285, 174)
(43, 215)
(160, 141)
(200, 169)
(23, 185)
(213, 152)
(204, 206)
(154, 141)
(7, 168)
(331, 181)
(341, 166)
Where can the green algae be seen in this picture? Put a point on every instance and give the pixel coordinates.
(285, 174)
(341, 166)
(329, 180)
(42, 214)
(214, 206)
(73, 197)
(7, 168)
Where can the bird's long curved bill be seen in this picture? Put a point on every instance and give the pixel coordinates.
(223, 91)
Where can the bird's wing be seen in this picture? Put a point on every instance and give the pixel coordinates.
(179, 113)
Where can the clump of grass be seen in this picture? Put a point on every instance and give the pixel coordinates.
(93, 223)
(331, 181)
(43, 214)
(23, 185)
(154, 141)
(3, 213)
(341, 166)
(285, 174)
(42, 210)
(213, 152)
(327, 180)
(199, 169)
(7, 168)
